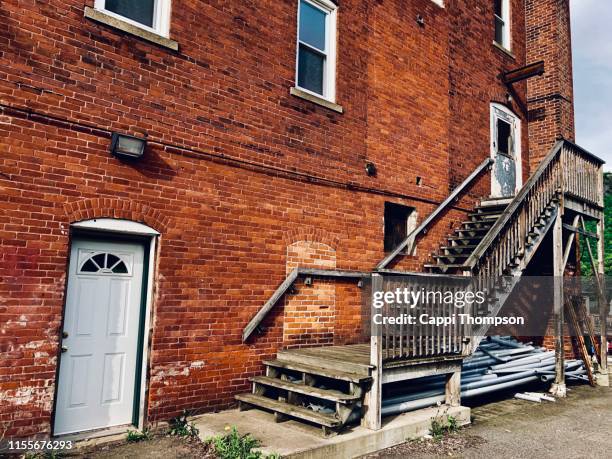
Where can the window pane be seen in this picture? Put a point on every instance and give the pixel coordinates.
(499, 31)
(498, 8)
(312, 26)
(137, 10)
(504, 131)
(310, 70)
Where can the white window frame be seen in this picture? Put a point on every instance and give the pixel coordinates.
(505, 18)
(329, 68)
(161, 17)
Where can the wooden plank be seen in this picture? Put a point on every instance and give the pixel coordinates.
(604, 306)
(584, 232)
(558, 388)
(325, 394)
(317, 360)
(333, 273)
(326, 372)
(327, 420)
(280, 291)
(453, 388)
(372, 402)
(570, 242)
(408, 242)
(287, 283)
(598, 271)
(573, 321)
(523, 73)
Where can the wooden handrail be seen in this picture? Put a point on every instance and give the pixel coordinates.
(512, 208)
(286, 285)
(409, 241)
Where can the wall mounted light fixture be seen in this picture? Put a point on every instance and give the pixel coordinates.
(126, 146)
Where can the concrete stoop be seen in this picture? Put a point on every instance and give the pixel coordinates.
(292, 439)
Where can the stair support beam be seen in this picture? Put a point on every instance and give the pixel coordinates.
(604, 306)
(372, 402)
(558, 389)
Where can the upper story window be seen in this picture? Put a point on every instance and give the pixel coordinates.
(502, 23)
(151, 15)
(316, 53)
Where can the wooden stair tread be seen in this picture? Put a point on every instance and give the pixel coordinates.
(328, 420)
(325, 394)
(444, 266)
(312, 370)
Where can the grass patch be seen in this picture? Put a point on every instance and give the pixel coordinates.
(134, 436)
(232, 445)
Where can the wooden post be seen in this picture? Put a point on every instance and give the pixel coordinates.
(603, 379)
(558, 388)
(453, 388)
(373, 398)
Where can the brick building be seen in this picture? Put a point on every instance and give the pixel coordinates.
(267, 148)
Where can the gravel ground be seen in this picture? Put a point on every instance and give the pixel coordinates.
(577, 427)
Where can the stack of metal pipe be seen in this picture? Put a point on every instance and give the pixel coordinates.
(500, 363)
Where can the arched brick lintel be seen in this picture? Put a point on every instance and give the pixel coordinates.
(88, 209)
(310, 234)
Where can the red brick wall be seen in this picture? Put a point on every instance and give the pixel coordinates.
(236, 170)
(551, 107)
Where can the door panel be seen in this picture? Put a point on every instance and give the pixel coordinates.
(97, 373)
(505, 150)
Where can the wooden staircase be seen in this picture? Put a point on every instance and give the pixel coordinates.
(451, 257)
(322, 386)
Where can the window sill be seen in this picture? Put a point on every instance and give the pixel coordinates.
(103, 18)
(504, 50)
(297, 92)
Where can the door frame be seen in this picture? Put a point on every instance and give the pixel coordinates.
(116, 230)
(495, 106)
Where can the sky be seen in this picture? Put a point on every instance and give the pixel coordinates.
(592, 54)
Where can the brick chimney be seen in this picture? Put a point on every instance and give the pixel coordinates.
(550, 97)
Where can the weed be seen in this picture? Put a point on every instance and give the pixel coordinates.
(235, 446)
(133, 436)
(443, 425)
(453, 424)
(180, 427)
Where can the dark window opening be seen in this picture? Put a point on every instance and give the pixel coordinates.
(396, 224)
(504, 132)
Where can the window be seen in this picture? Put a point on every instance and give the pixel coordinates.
(398, 221)
(104, 263)
(152, 15)
(502, 23)
(316, 49)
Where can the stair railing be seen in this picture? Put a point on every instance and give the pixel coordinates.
(507, 237)
(408, 244)
(566, 170)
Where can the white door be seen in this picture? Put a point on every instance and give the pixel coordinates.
(506, 178)
(97, 373)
